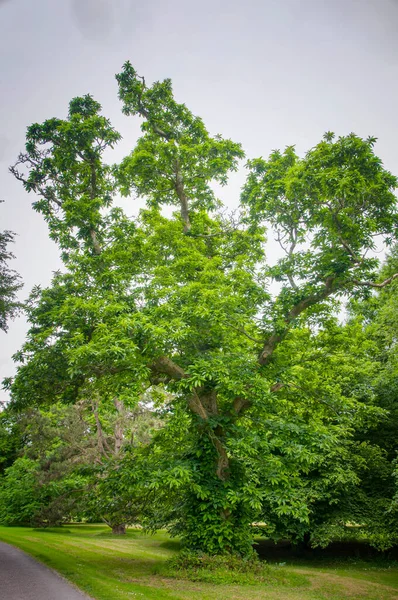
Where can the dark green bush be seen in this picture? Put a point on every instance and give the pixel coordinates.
(222, 569)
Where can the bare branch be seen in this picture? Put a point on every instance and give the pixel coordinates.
(195, 404)
(103, 445)
(279, 240)
(46, 193)
(292, 282)
(96, 245)
(243, 332)
(118, 428)
(376, 285)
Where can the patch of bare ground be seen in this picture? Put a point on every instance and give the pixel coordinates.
(204, 591)
(322, 586)
(348, 586)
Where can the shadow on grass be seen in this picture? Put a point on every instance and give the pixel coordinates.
(336, 552)
(130, 534)
(58, 530)
(89, 527)
(171, 545)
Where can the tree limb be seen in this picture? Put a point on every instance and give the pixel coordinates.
(180, 190)
(276, 337)
(165, 365)
(243, 332)
(145, 113)
(376, 285)
(240, 404)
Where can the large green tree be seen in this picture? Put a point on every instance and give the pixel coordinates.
(180, 300)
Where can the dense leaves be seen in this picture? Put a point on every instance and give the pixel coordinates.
(267, 399)
(77, 462)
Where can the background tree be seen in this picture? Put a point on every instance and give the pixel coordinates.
(10, 282)
(46, 482)
(11, 438)
(74, 465)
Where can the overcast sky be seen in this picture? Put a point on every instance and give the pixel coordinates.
(267, 73)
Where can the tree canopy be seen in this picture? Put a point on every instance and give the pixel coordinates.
(261, 390)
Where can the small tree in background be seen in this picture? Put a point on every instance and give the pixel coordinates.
(10, 282)
(78, 462)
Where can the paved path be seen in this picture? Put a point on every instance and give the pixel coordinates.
(22, 578)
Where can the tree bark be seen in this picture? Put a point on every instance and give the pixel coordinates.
(96, 245)
(101, 441)
(179, 186)
(118, 429)
(222, 465)
(272, 342)
(119, 529)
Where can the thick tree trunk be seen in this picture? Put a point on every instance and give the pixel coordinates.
(119, 529)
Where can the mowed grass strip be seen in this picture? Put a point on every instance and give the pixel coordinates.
(109, 567)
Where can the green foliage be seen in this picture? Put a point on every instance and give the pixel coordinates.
(11, 440)
(118, 495)
(45, 484)
(10, 282)
(63, 164)
(266, 399)
(221, 569)
(74, 466)
(19, 500)
(186, 161)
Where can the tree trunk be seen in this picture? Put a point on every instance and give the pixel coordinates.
(222, 464)
(304, 546)
(118, 429)
(119, 529)
(221, 526)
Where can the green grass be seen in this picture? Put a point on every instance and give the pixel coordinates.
(135, 566)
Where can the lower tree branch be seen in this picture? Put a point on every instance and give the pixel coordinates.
(103, 445)
(118, 428)
(196, 406)
(164, 365)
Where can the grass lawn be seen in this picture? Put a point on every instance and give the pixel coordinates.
(109, 567)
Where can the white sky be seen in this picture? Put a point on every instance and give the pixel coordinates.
(266, 73)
